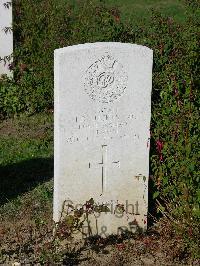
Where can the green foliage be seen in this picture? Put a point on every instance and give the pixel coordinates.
(42, 26)
(39, 28)
(175, 128)
(26, 151)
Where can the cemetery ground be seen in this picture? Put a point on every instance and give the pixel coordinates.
(26, 224)
(26, 132)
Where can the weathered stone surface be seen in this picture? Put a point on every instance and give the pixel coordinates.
(102, 120)
(6, 36)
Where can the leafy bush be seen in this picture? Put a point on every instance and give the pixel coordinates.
(39, 28)
(175, 128)
(42, 26)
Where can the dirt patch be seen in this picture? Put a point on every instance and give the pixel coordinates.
(149, 249)
(37, 126)
(28, 241)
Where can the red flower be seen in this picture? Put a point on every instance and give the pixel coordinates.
(121, 246)
(190, 231)
(159, 147)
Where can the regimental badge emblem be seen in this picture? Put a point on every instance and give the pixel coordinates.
(105, 80)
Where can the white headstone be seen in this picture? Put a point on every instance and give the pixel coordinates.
(102, 131)
(6, 36)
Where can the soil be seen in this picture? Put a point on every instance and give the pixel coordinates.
(29, 127)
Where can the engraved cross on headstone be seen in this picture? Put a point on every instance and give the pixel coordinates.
(104, 164)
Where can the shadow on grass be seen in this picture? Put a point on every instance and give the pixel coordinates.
(18, 178)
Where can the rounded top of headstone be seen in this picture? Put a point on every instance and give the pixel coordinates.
(144, 49)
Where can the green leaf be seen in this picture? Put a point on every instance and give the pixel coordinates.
(70, 220)
(156, 194)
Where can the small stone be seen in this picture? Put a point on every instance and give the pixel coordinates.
(148, 261)
(16, 264)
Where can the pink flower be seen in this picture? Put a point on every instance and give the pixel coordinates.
(120, 247)
(159, 147)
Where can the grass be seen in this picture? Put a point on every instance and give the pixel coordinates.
(26, 154)
(26, 191)
(26, 137)
(139, 11)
